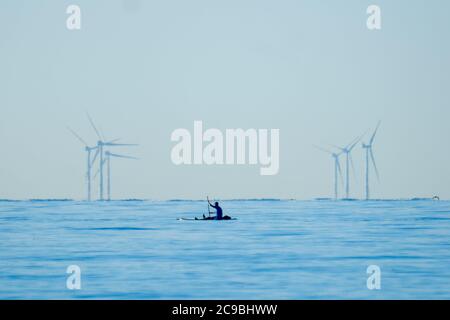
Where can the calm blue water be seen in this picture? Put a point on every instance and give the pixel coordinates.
(276, 250)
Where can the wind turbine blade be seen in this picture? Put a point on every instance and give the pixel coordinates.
(352, 146)
(94, 127)
(110, 144)
(96, 174)
(374, 164)
(101, 134)
(322, 149)
(95, 155)
(98, 170)
(351, 143)
(335, 146)
(77, 136)
(340, 171)
(353, 166)
(121, 156)
(354, 143)
(374, 133)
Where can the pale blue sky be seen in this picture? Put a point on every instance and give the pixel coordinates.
(310, 68)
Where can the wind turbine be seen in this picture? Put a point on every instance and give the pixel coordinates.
(100, 145)
(108, 156)
(369, 154)
(337, 168)
(348, 159)
(89, 162)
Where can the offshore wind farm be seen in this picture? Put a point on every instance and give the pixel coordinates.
(342, 176)
(104, 158)
(346, 151)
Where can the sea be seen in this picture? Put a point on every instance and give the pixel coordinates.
(275, 249)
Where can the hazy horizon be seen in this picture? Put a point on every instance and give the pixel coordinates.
(146, 68)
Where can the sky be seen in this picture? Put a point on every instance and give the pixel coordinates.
(142, 69)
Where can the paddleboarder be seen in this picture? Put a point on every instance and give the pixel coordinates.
(219, 211)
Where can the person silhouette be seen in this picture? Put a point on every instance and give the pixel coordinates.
(219, 211)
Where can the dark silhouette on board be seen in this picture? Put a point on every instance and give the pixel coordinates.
(219, 213)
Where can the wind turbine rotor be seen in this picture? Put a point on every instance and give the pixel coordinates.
(343, 150)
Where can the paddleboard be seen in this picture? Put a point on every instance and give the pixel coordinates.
(201, 219)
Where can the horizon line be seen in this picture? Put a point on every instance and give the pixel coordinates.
(224, 199)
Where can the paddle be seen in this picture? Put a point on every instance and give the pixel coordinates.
(209, 210)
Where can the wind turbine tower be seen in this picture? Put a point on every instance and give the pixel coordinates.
(100, 153)
(89, 162)
(108, 156)
(370, 159)
(348, 159)
(337, 169)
